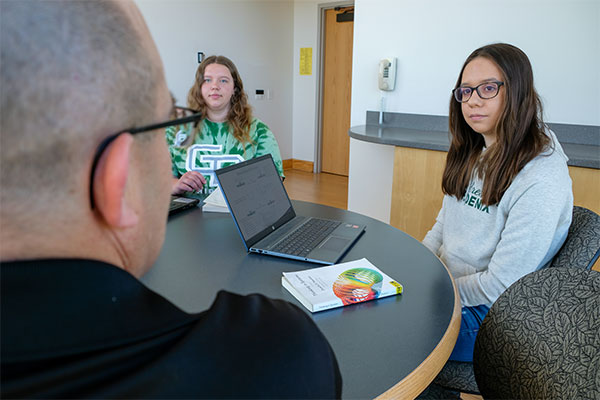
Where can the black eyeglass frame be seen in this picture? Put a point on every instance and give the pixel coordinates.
(195, 118)
(185, 109)
(476, 89)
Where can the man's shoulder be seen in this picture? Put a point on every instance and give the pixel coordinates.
(272, 329)
(257, 313)
(241, 346)
(60, 299)
(274, 345)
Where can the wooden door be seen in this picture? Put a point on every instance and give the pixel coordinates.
(337, 88)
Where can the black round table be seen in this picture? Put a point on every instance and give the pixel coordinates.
(392, 346)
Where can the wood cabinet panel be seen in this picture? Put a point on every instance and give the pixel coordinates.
(586, 192)
(416, 190)
(586, 187)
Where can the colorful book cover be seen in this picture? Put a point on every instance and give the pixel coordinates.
(339, 285)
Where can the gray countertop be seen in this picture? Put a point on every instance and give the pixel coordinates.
(581, 143)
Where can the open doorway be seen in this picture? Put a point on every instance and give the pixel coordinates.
(335, 88)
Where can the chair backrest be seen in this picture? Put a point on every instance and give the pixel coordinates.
(582, 246)
(541, 338)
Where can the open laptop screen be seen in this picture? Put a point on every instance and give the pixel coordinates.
(256, 197)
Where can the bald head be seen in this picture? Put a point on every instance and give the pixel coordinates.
(73, 72)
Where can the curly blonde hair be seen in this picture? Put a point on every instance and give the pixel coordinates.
(240, 114)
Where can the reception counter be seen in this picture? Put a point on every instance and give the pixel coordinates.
(420, 144)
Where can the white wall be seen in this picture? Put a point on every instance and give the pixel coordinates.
(306, 34)
(432, 38)
(305, 86)
(256, 35)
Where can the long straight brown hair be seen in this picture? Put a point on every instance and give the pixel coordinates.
(520, 132)
(240, 114)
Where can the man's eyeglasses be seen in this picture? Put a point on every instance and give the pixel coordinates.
(195, 117)
(487, 90)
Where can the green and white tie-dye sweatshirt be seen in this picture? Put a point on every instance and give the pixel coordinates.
(215, 147)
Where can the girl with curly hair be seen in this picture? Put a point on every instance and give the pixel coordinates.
(227, 134)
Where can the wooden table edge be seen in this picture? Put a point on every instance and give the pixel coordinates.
(415, 382)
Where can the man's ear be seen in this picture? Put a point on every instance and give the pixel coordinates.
(110, 181)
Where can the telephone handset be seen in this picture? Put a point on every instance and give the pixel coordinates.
(387, 73)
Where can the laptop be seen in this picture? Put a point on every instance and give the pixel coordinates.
(267, 222)
(179, 203)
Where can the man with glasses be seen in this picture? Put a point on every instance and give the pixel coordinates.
(85, 188)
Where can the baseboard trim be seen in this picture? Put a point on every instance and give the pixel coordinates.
(300, 165)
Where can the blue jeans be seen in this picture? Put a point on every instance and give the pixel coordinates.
(471, 319)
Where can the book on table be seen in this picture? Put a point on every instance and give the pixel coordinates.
(339, 285)
(215, 202)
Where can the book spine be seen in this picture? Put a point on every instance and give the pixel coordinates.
(327, 306)
(286, 284)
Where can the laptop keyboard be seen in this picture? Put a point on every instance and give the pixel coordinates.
(304, 239)
(181, 203)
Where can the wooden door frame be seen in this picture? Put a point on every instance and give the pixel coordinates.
(320, 68)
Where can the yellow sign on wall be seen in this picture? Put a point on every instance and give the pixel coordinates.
(306, 61)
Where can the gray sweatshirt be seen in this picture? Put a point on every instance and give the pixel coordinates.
(488, 248)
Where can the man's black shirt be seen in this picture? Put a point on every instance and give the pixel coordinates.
(82, 328)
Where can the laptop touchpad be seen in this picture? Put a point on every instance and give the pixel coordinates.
(334, 244)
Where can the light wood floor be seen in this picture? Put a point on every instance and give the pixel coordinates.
(322, 188)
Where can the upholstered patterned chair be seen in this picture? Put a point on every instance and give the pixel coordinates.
(580, 250)
(456, 377)
(582, 247)
(541, 338)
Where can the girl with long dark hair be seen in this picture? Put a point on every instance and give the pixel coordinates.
(508, 200)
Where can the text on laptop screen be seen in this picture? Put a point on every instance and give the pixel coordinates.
(256, 196)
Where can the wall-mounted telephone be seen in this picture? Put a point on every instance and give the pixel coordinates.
(387, 73)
